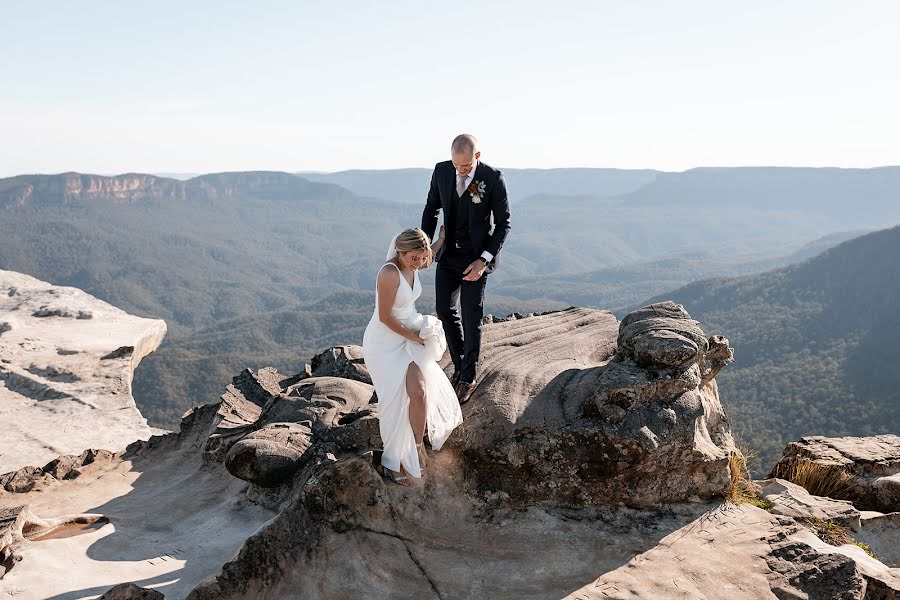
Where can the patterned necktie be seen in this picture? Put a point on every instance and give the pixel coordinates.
(460, 186)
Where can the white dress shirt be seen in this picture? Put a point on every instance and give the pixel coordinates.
(467, 181)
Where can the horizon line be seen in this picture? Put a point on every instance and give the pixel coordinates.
(185, 175)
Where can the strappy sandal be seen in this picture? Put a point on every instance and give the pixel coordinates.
(422, 455)
(395, 477)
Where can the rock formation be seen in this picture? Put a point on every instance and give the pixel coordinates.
(570, 419)
(66, 365)
(592, 461)
(865, 470)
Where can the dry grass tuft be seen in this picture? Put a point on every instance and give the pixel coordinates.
(741, 489)
(829, 481)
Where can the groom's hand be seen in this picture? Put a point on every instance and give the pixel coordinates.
(474, 271)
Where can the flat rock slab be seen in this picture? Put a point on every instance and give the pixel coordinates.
(744, 553)
(792, 500)
(172, 521)
(66, 365)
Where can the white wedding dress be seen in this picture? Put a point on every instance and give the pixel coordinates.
(387, 355)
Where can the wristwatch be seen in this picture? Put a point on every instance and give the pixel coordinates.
(483, 259)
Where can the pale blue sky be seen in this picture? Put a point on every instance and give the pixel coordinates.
(194, 86)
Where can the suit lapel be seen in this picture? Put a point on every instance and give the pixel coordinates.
(451, 197)
(470, 203)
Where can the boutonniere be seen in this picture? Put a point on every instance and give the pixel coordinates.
(476, 190)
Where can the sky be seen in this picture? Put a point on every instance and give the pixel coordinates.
(195, 87)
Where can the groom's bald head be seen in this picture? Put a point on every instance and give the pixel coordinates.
(464, 143)
(464, 152)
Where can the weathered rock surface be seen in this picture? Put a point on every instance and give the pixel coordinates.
(270, 455)
(792, 500)
(746, 552)
(865, 470)
(562, 416)
(68, 466)
(881, 532)
(164, 519)
(341, 361)
(570, 468)
(56, 394)
(130, 591)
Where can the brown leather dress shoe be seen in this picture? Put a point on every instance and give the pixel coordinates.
(464, 391)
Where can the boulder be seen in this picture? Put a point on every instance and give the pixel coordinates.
(341, 361)
(578, 409)
(131, 591)
(661, 335)
(271, 455)
(864, 470)
(240, 408)
(68, 466)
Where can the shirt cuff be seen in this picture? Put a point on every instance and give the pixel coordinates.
(487, 256)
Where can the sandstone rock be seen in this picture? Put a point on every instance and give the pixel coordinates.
(661, 335)
(271, 455)
(18, 523)
(12, 520)
(321, 400)
(881, 533)
(864, 470)
(341, 361)
(165, 516)
(130, 591)
(68, 466)
(119, 353)
(240, 407)
(56, 403)
(590, 425)
(334, 412)
(792, 500)
(745, 552)
(524, 501)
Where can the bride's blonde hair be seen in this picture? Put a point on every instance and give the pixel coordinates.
(415, 240)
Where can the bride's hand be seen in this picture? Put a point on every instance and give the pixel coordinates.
(413, 336)
(441, 233)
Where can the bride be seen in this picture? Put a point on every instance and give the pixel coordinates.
(401, 349)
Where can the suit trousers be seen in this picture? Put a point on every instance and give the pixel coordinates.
(462, 327)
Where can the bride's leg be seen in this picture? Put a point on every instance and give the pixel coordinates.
(415, 389)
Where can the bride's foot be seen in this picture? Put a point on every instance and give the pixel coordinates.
(423, 457)
(398, 478)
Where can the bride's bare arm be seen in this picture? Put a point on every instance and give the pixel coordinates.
(388, 283)
(438, 242)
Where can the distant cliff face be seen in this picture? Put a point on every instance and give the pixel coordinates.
(66, 365)
(70, 187)
(67, 188)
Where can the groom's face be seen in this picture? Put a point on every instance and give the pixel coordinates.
(464, 162)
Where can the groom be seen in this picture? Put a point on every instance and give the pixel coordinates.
(476, 222)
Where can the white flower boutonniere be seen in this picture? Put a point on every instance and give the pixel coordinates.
(476, 190)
